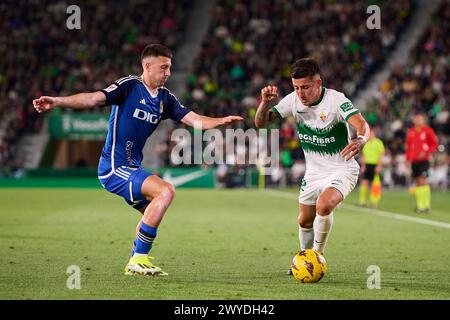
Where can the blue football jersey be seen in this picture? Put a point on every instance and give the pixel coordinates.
(134, 116)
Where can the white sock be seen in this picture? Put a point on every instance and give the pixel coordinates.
(322, 227)
(306, 237)
(139, 254)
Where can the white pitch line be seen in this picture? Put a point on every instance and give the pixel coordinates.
(393, 215)
(377, 212)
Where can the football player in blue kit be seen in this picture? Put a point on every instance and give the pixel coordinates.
(139, 103)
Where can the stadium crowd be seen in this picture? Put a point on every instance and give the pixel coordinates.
(248, 45)
(41, 56)
(252, 44)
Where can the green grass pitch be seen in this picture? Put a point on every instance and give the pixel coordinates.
(215, 244)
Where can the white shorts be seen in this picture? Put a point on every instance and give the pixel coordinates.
(313, 184)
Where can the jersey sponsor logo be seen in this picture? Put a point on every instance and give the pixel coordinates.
(142, 101)
(146, 116)
(315, 139)
(111, 88)
(347, 106)
(329, 140)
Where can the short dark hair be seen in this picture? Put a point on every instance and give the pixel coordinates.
(305, 68)
(156, 50)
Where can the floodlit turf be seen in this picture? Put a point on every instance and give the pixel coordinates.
(215, 244)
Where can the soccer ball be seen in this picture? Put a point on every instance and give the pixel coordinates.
(308, 266)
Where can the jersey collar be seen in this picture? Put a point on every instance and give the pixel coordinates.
(149, 92)
(320, 99)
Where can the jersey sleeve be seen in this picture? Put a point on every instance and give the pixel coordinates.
(174, 110)
(118, 91)
(382, 149)
(345, 107)
(284, 108)
(408, 146)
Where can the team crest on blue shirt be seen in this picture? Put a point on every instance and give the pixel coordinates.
(161, 107)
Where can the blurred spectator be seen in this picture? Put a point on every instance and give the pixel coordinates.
(439, 173)
(401, 170)
(221, 174)
(298, 171)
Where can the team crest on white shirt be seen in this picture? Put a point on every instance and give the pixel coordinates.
(323, 116)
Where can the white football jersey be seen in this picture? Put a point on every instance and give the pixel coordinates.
(322, 129)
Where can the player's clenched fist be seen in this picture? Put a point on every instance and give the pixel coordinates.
(269, 94)
(44, 103)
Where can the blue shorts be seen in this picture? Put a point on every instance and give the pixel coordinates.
(127, 182)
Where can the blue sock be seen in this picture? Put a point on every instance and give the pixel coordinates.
(144, 239)
(134, 248)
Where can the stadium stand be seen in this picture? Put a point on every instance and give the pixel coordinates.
(423, 84)
(248, 44)
(40, 56)
(238, 55)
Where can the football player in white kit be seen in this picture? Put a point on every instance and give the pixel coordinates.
(322, 116)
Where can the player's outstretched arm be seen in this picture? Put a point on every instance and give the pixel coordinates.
(77, 101)
(197, 121)
(264, 116)
(363, 134)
